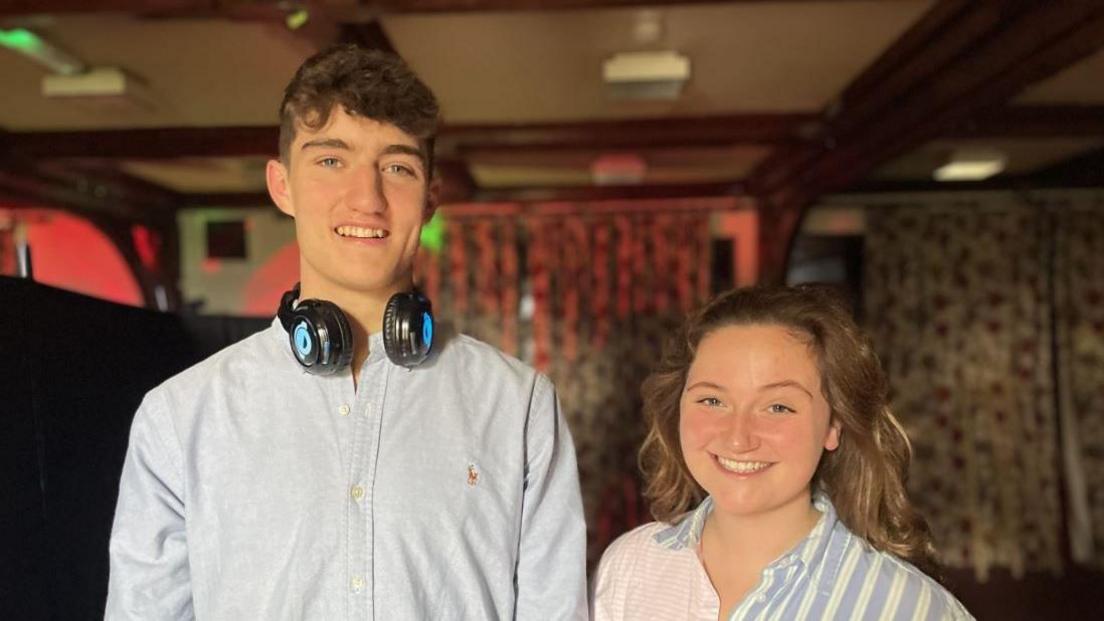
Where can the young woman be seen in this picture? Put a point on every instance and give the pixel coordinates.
(769, 413)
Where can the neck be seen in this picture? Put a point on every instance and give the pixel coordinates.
(756, 540)
(363, 309)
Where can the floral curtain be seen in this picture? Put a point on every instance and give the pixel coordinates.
(1079, 295)
(586, 294)
(958, 302)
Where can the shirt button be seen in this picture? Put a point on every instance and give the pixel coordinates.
(357, 584)
(357, 492)
(344, 409)
(761, 599)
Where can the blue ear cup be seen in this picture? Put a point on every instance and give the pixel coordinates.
(408, 328)
(319, 333)
(322, 340)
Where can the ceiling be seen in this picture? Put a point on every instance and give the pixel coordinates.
(786, 100)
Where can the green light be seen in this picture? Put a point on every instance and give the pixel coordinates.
(297, 19)
(20, 40)
(433, 233)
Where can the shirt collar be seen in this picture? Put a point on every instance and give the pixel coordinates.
(686, 532)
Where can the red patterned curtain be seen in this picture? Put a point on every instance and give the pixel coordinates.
(586, 294)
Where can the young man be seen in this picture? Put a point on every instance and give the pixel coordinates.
(254, 489)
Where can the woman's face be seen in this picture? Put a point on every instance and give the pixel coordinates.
(753, 421)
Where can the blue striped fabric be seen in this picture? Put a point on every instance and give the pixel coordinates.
(831, 574)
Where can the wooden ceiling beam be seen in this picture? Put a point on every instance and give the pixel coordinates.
(245, 8)
(369, 35)
(612, 192)
(706, 131)
(1032, 122)
(92, 186)
(522, 194)
(173, 142)
(1035, 46)
(976, 55)
(40, 7)
(717, 131)
(112, 198)
(154, 143)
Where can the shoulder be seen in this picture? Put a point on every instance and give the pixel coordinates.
(627, 550)
(900, 584)
(483, 364)
(232, 367)
(639, 577)
(923, 589)
(464, 348)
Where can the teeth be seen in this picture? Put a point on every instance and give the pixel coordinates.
(360, 231)
(742, 467)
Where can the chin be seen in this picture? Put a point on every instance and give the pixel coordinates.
(740, 503)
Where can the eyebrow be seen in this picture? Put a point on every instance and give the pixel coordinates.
(337, 143)
(709, 385)
(787, 384)
(782, 384)
(330, 143)
(405, 149)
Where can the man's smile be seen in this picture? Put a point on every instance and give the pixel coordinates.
(362, 232)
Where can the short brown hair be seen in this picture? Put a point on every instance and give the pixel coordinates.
(368, 83)
(865, 476)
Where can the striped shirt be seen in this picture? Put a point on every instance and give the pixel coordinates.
(654, 572)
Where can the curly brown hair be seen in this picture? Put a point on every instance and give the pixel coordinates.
(865, 477)
(367, 83)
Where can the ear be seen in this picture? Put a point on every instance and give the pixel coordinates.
(276, 177)
(832, 440)
(433, 195)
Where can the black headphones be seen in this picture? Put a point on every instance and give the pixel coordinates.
(322, 340)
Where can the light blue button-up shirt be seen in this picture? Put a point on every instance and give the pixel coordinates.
(254, 490)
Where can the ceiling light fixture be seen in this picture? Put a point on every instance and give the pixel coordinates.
(646, 75)
(972, 165)
(618, 169)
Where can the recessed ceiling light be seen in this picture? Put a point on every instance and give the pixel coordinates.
(972, 165)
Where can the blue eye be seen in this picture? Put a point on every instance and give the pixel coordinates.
(778, 408)
(400, 169)
(710, 401)
(329, 162)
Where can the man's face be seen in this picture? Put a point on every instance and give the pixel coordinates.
(358, 190)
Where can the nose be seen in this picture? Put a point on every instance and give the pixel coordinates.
(742, 435)
(365, 191)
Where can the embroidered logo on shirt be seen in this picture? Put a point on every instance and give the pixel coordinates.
(473, 475)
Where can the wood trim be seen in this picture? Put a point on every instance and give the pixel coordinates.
(240, 8)
(172, 142)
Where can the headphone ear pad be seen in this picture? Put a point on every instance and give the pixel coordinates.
(391, 338)
(321, 337)
(408, 329)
